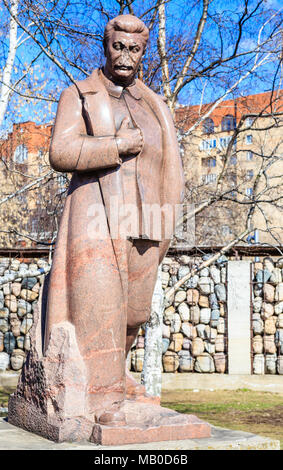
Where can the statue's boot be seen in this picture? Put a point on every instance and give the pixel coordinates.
(113, 417)
(133, 388)
(137, 392)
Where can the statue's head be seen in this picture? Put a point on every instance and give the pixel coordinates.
(124, 42)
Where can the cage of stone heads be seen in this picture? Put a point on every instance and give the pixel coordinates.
(267, 316)
(19, 293)
(194, 329)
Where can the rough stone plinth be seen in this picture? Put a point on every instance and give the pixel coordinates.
(51, 399)
(150, 423)
(30, 418)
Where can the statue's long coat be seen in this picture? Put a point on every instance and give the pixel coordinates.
(88, 281)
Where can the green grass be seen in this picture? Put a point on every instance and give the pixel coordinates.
(256, 412)
(217, 408)
(4, 397)
(243, 409)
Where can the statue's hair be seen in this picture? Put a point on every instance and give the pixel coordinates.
(127, 24)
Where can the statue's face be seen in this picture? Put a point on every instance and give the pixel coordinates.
(123, 53)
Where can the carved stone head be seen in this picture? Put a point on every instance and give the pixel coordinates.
(17, 359)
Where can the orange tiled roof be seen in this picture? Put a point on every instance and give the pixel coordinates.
(267, 103)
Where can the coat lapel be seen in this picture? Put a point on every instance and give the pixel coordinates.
(98, 108)
(97, 104)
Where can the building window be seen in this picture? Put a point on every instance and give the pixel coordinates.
(210, 178)
(208, 162)
(249, 121)
(208, 144)
(249, 156)
(249, 139)
(224, 141)
(233, 160)
(232, 178)
(20, 154)
(249, 191)
(34, 226)
(22, 199)
(228, 123)
(250, 174)
(208, 126)
(226, 230)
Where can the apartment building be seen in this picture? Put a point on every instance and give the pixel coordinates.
(236, 151)
(30, 200)
(233, 157)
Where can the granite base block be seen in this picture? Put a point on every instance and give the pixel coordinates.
(145, 423)
(150, 423)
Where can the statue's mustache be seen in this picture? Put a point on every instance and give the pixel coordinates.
(123, 66)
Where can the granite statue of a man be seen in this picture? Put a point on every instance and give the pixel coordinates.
(117, 137)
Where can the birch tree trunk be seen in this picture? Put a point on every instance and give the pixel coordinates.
(161, 44)
(152, 367)
(7, 71)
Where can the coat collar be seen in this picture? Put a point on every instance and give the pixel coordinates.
(97, 80)
(117, 90)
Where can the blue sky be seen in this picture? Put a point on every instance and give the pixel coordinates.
(183, 16)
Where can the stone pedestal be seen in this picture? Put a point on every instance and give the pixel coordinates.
(51, 400)
(150, 423)
(145, 423)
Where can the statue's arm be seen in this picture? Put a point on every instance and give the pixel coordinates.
(71, 148)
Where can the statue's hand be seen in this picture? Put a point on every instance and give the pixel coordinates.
(129, 141)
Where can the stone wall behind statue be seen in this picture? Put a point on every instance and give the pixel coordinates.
(17, 301)
(194, 333)
(267, 317)
(195, 324)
